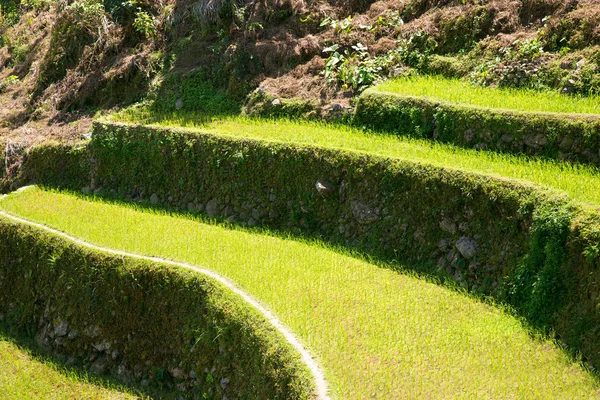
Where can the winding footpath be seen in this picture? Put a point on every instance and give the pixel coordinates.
(319, 378)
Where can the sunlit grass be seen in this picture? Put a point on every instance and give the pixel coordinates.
(377, 333)
(463, 92)
(24, 377)
(580, 182)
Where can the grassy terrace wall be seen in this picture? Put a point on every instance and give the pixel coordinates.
(53, 163)
(56, 164)
(563, 137)
(522, 245)
(142, 321)
(386, 207)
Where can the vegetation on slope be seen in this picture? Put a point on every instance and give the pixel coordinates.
(207, 56)
(23, 376)
(59, 61)
(578, 181)
(374, 331)
(392, 208)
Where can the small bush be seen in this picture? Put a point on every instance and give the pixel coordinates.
(211, 11)
(9, 81)
(462, 32)
(9, 13)
(144, 24)
(536, 286)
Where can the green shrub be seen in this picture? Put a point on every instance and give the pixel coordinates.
(571, 32)
(210, 12)
(194, 91)
(460, 33)
(416, 49)
(144, 24)
(355, 69)
(447, 66)
(19, 53)
(9, 81)
(9, 13)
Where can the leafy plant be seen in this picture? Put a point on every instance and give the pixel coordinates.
(254, 26)
(530, 49)
(19, 52)
(210, 12)
(343, 26)
(389, 20)
(9, 13)
(354, 68)
(87, 15)
(122, 12)
(37, 4)
(11, 80)
(145, 24)
(77, 25)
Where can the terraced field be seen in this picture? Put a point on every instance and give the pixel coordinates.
(375, 329)
(375, 332)
(578, 181)
(300, 200)
(24, 377)
(461, 92)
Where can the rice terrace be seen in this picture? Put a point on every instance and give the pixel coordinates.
(299, 199)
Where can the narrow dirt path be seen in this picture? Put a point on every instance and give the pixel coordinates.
(320, 382)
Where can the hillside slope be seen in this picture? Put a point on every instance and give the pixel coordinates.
(62, 61)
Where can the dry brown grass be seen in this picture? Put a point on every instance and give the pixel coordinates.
(288, 50)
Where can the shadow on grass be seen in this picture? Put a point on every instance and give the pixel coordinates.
(26, 342)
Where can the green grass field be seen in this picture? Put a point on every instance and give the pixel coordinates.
(377, 333)
(462, 92)
(577, 181)
(25, 377)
